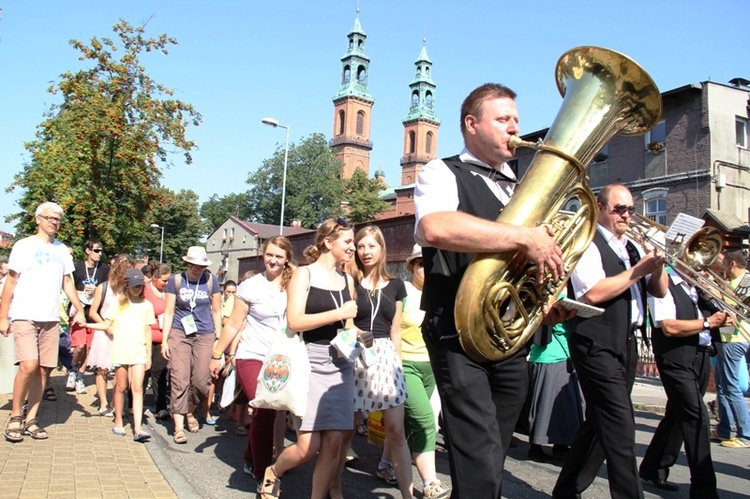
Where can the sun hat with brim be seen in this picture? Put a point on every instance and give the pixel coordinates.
(197, 256)
(134, 277)
(415, 253)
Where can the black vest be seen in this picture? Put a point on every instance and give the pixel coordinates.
(610, 329)
(443, 270)
(679, 350)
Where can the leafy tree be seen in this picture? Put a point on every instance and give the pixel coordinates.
(363, 195)
(314, 188)
(183, 227)
(96, 153)
(217, 209)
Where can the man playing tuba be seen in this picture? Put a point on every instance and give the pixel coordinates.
(456, 202)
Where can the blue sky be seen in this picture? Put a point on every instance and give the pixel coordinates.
(240, 61)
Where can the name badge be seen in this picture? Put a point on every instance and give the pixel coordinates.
(188, 324)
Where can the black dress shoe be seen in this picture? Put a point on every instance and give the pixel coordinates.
(537, 454)
(661, 484)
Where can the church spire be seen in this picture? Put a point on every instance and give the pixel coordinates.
(421, 124)
(353, 105)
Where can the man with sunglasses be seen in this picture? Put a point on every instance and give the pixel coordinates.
(614, 274)
(88, 274)
(39, 266)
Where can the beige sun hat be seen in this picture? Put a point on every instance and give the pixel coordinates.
(197, 256)
(415, 253)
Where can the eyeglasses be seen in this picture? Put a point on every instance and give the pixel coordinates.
(50, 219)
(620, 209)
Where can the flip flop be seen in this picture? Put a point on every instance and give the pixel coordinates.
(120, 432)
(141, 437)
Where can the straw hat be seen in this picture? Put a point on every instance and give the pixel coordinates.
(415, 253)
(197, 256)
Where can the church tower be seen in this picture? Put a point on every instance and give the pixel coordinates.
(420, 125)
(352, 106)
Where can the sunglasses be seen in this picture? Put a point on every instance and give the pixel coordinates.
(340, 221)
(620, 209)
(97, 250)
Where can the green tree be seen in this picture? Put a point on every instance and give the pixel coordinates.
(96, 153)
(183, 227)
(363, 195)
(217, 209)
(314, 187)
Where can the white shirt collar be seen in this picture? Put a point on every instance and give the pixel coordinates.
(468, 157)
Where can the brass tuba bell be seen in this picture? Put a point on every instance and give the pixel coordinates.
(499, 303)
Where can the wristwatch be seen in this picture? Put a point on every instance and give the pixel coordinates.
(706, 324)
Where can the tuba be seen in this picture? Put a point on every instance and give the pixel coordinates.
(499, 302)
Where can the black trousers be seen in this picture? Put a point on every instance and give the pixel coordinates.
(159, 379)
(686, 419)
(480, 403)
(609, 430)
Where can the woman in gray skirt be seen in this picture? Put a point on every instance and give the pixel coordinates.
(319, 303)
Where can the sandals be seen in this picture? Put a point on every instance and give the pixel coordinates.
(271, 486)
(179, 437)
(240, 430)
(32, 429)
(49, 394)
(14, 435)
(362, 429)
(192, 424)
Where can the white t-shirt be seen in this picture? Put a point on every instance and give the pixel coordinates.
(664, 308)
(590, 271)
(40, 267)
(437, 191)
(265, 317)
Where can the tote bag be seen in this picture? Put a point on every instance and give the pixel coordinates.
(284, 379)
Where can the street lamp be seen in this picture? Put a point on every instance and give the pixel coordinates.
(275, 123)
(161, 248)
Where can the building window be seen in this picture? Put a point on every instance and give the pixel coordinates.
(347, 74)
(656, 138)
(224, 236)
(231, 234)
(412, 142)
(415, 99)
(342, 119)
(428, 143)
(740, 127)
(428, 99)
(360, 123)
(655, 204)
(361, 74)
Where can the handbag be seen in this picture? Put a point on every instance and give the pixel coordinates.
(284, 378)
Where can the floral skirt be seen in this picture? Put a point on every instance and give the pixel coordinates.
(381, 385)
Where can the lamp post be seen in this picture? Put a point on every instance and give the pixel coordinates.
(161, 248)
(275, 123)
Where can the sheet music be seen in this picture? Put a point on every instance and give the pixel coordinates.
(683, 227)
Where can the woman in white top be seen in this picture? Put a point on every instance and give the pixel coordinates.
(260, 313)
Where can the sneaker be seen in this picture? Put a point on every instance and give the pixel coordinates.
(736, 443)
(387, 474)
(436, 490)
(80, 386)
(70, 384)
(716, 437)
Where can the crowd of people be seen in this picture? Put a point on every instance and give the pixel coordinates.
(181, 330)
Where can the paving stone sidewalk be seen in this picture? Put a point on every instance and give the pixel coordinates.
(81, 458)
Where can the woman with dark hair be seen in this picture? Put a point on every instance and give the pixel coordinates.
(319, 304)
(259, 312)
(192, 323)
(154, 292)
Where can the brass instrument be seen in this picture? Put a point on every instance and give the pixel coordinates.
(692, 259)
(499, 302)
